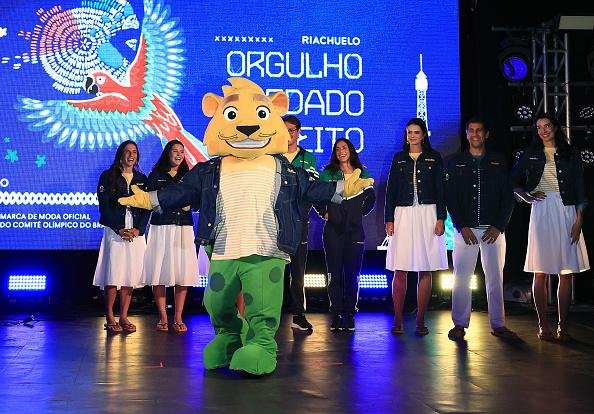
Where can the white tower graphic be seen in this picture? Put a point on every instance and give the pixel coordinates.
(421, 85)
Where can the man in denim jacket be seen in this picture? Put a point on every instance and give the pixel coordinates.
(480, 200)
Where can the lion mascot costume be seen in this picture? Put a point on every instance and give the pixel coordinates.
(249, 198)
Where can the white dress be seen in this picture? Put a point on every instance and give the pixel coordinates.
(549, 244)
(414, 247)
(170, 257)
(120, 262)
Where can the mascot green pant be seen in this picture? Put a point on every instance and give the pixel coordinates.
(261, 280)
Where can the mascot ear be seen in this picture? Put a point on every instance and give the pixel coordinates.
(280, 102)
(210, 103)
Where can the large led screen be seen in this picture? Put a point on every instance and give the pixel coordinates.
(351, 69)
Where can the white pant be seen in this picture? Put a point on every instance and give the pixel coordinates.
(493, 260)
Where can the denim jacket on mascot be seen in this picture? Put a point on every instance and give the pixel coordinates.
(249, 197)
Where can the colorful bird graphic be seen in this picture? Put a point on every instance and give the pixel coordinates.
(133, 108)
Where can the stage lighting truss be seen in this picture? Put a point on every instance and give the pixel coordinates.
(26, 282)
(524, 113)
(590, 61)
(447, 281)
(514, 59)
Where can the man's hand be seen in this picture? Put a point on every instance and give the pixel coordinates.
(355, 184)
(390, 228)
(490, 235)
(468, 236)
(140, 199)
(439, 228)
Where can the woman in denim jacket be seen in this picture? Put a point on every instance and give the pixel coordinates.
(414, 214)
(170, 258)
(549, 176)
(122, 248)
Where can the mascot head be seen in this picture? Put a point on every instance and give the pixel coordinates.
(245, 122)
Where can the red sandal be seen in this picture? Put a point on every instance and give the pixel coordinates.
(127, 326)
(112, 328)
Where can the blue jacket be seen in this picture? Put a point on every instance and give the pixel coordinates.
(306, 160)
(528, 170)
(400, 190)
(113, 214)
(200, 186)
(479, 195)
(156, 181)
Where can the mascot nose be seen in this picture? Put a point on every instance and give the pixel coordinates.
(248, 129)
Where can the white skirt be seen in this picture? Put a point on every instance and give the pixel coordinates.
(170, 257)
(414, 247)
(120, 262)
(549, 239)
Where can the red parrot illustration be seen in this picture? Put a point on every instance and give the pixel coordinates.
(137, 106)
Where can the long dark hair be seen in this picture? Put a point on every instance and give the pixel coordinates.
(334, 165)
(563, 147)
(163, 164)
(115, 169)
(425, 144)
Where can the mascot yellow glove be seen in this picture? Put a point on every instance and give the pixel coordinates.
(355, 184)
(140, 199)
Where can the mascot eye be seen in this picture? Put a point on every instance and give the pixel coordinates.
(100, 80)
(263, 112)
(230, 113)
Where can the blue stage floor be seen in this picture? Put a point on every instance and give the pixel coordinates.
(72, 366)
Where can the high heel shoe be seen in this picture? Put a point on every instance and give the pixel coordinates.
(545, 335)
(563, 335)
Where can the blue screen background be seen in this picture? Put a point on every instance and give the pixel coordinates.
(47, 189)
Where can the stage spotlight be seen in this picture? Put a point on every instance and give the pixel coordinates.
(378, 281)
(202, 281)
(314, 280)
(586, 112)
(447, 281)
(524, 113)
(514, 59)
(26, 282)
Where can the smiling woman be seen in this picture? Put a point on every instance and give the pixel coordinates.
(550, 177)
(121, 254)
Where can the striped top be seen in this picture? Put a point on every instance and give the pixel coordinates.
(247, 223)
(548, 182)
(415, 157)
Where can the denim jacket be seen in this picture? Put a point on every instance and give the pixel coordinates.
(479, 194)
(400, 189)
(200, 186)
(111, 213)
(156, 181)
(528, 170)
(306, 160)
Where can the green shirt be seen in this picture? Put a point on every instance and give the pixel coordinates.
(306, 160)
